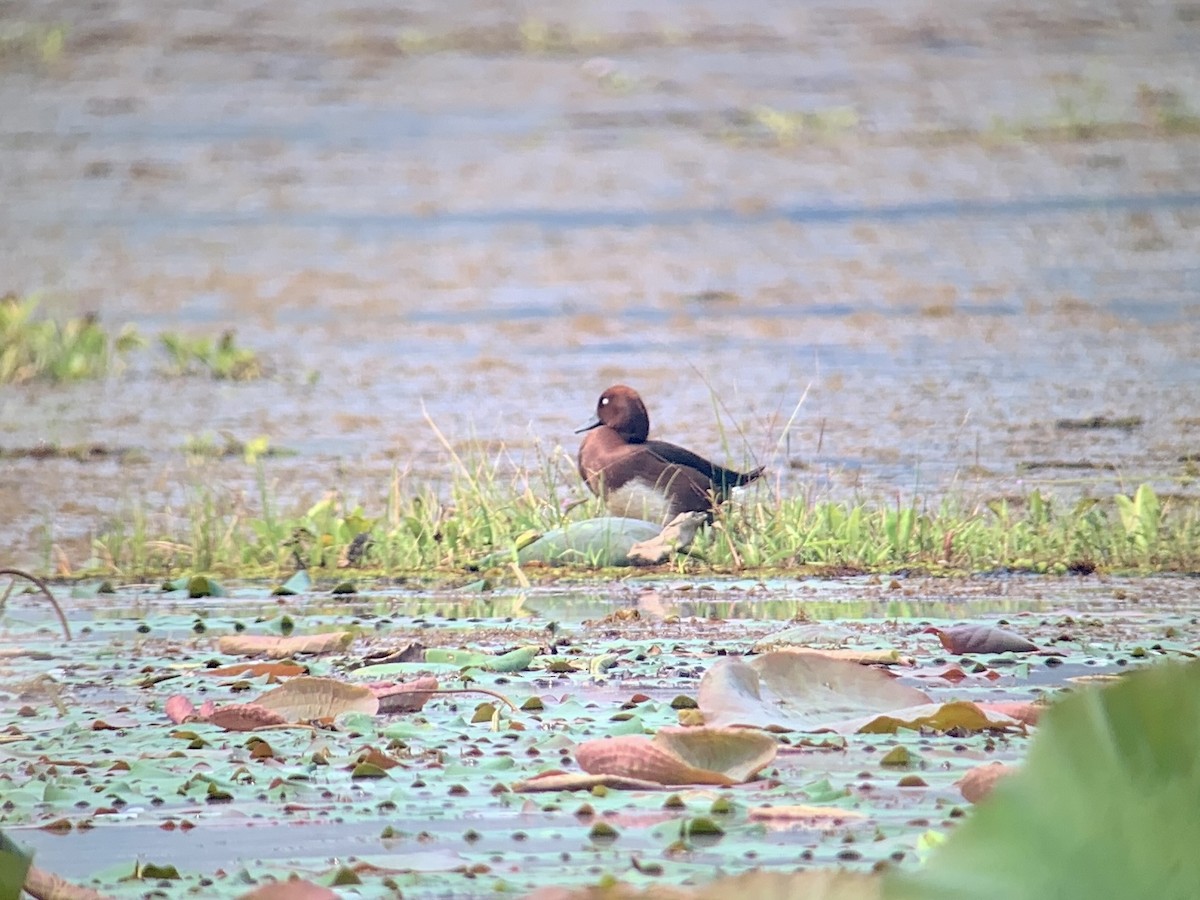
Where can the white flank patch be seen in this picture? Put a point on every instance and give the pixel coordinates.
(639, 499)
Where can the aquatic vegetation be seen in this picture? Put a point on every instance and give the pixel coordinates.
(489, 512)
(36, 348)
(221, 358)
(324, 729)
(208, 446)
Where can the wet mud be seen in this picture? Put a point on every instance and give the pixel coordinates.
(940, 233)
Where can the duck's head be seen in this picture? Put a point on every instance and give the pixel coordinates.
(621, 409)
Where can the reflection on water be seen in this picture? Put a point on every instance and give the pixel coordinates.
(834, 599)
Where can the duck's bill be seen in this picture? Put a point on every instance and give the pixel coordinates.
(595, 423)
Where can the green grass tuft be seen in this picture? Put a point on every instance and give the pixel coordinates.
(489, 506)
(34, 348)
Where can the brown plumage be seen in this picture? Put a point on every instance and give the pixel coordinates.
(647, 479)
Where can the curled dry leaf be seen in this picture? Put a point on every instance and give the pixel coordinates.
(403, 697)
(178, 708)
(681, 756)
(981, 639)
(979, 781)
(306, 698)
(283, 647)
(581, 781)
(244, 717)
(253, 670)
(791, 690)
(232, 717)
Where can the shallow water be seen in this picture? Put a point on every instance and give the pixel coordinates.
(96, 749)
(451, 208)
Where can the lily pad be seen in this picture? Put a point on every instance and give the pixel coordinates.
(606, 541)
(514, 661)
(791, 690)
(300, 583)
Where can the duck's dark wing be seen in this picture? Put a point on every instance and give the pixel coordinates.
(723, 479)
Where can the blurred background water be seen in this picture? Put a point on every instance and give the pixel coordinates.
(937, 230)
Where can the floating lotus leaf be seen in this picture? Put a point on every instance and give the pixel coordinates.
(514, 661)
(795, 690)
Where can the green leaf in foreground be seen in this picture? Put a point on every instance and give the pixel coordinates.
(14, 865)
(1105, 806)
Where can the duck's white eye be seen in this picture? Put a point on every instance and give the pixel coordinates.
(604, 401)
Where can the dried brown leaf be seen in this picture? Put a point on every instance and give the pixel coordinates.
(284, 647)
(979, 781)
(178, 708)
(581, 781)
(305, 698)
(404, 697)
(1023, 711)
(244, 717)
(981, 639)
(253, 670)
(681, 756)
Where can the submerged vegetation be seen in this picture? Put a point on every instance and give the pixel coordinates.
(418, 531)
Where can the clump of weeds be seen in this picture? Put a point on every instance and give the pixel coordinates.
(222, 358)
(37, 348)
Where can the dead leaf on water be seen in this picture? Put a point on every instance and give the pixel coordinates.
(981, 639)
(398, 697)
(305, 698)
(677, 756)
(253, 670)
(1022, 710)
(581, 781)
(979, 781)
(244, 717)
(284, 647)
